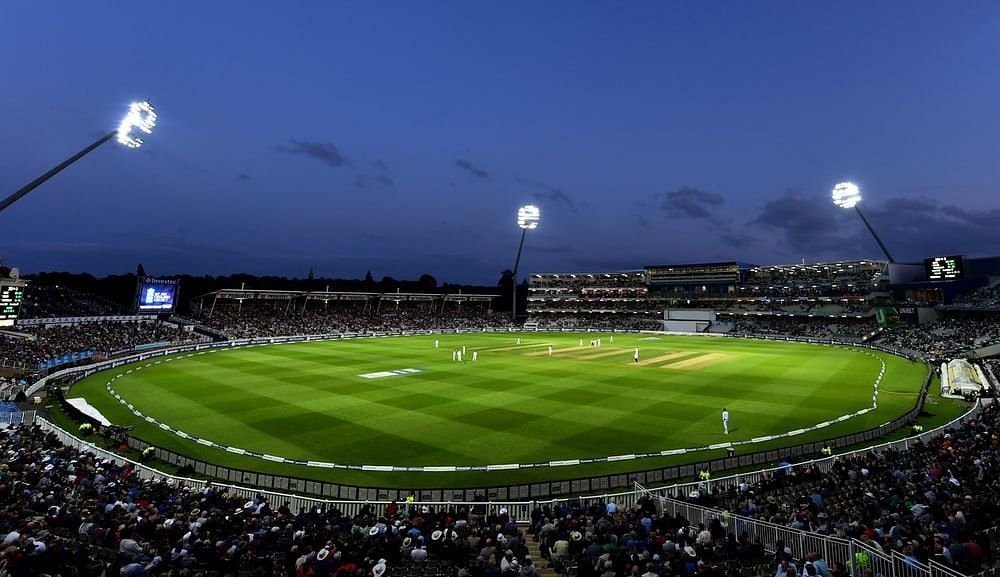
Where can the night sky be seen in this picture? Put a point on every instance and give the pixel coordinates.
(401, 137)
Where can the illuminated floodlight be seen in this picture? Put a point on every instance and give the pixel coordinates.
(141, 117)
(528, 217)
(846, 195)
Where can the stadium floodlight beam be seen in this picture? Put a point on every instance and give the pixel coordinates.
(527, 218)
(141, 116)
(848, 195)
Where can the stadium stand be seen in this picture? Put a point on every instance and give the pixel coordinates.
(931, 501)
(104, 338)
(953, 335)
(261, 314)
(60, 302)
(69, 512)
(845, 328)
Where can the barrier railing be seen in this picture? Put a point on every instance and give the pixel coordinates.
(856, 556)
(520, 510)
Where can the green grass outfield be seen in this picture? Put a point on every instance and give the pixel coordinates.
(517, 404)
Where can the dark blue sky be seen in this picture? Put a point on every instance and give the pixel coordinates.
(401, 137)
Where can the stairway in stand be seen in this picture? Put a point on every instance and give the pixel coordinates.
(541, 564)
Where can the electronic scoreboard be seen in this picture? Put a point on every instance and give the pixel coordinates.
(11, 296)
(945, 267)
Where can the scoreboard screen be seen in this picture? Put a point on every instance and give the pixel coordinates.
(155, 295)
(945, 267)
(10, 303)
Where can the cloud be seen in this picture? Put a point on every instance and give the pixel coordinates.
(807, 223)
(690, 202)
(323, 151)
(243, 177)
(379, 165)
(471, 168)
(383, 179)
(918, 227)
(912, 228)
(548, 193)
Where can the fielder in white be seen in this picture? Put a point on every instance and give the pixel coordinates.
(636, 355)
(550, 350)
(475, 356)
(725, 420)
(454, 355)
(436, 343)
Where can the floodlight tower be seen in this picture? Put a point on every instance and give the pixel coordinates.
(848, 195)
(527, 218)
(141, 117)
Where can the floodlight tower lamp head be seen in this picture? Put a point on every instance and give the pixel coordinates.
(142, 117)
(528, 217)
(846, 195)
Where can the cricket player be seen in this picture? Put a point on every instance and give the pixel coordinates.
(475, 356)
(612, 339)
(437, 343)
(454, 355)
(550, 350)
(725, 420)
(635, 356)
(518, 340)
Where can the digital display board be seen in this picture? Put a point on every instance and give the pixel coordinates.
(10, 303)
(156, 296)
(945, 267)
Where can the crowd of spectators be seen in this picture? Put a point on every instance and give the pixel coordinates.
(930, 501)
(102, 337)
(69, 513)
(60, 302)
(266, 319)
(601, 321)
(815, 327)
(950, 336)
(982, 298)
(807, 275)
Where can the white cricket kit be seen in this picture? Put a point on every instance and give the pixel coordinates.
(725, 421)
(475, 356)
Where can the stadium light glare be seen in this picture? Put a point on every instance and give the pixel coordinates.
(140, 117)
(846, 195)
(528, 217)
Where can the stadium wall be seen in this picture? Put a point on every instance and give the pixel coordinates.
(583, 485)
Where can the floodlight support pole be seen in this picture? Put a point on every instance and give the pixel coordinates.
(517, 262)
(875, 234)
(54, 171)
